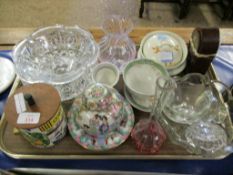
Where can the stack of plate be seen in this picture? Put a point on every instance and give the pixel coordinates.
(167, 48)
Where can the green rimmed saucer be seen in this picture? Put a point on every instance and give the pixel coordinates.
(133, 103)
(101, 142)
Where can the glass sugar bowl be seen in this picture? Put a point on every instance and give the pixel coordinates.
(116, 46)
(57, 55)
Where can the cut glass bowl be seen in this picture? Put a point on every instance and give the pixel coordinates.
(57, 55)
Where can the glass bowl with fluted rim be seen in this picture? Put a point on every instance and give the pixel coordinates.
(58, 55)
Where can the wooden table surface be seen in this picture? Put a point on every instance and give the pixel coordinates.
(10, 36)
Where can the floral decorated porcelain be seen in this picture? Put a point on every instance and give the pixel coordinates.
(100, 119)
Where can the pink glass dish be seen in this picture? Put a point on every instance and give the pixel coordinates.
(148, 136)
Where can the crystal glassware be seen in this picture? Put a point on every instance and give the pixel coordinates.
(190, 100)
(147, 134)
(205, 137)
(209, 134)
(57, 55)
(116, 46)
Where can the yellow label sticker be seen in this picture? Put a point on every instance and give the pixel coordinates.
(53, 122)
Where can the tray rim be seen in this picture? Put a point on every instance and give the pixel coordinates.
(3, 148)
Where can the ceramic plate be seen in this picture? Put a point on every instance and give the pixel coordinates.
(109, 141)
(177, 70)
(171, 71)
(165, 47)
(7, 73)
(133, 103)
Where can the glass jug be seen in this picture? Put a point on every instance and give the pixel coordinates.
(190, 99)
(194, 116)
(116, 46)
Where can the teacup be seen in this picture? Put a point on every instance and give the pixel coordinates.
(140, 80)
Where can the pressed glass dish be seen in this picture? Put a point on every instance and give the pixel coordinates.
(206, 137)
(57, 55)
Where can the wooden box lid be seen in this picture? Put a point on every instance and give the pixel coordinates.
(47, 102)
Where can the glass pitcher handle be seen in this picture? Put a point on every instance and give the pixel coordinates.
(225, 91)
(227, 101)
(223, 95)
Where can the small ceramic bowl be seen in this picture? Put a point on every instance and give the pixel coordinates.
(106, 73)
(140, 78)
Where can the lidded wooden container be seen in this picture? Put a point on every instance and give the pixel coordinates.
(37, 112)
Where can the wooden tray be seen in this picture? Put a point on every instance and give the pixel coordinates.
(14, 145)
